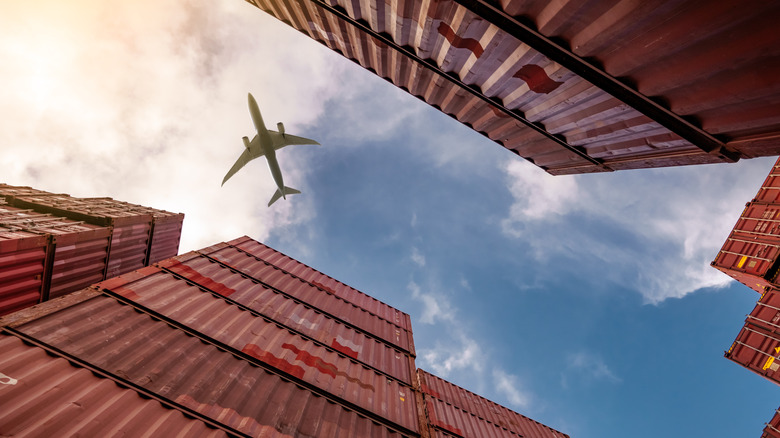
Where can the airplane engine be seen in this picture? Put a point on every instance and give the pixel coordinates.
(280, 126)
(246, 142)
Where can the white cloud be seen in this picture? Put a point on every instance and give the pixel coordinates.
(537, 194)
(508, 385)
(464, 354)
(146, 102)
(654, 230)
(418, 258)
(435, 306)
(585, 368)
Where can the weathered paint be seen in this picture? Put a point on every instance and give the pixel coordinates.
(43, 395)
(460, 399)
(276, 345)
(215, 380)
(298, 289)
(324, 282)
(293, 314)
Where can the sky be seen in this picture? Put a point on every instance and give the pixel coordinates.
(585, 302)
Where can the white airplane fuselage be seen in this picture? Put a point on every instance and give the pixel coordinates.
(266, 143)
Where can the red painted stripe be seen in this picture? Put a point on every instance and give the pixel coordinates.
(537, 79)
(461, 43)
(265, 356)
(322, 366)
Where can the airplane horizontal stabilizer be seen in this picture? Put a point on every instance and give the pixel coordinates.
(278, 194)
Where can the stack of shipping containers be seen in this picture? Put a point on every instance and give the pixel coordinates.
(235, 339)
(53, 244)
(751, 255)
(238, 336)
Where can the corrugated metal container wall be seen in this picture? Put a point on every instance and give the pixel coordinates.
(184, 366)
(299, 289)
(211, 314)
(131, 231)
(322, 281)
(22, 269)
(292, 314)
(767, 311)
(42, 395)
(436, 387)
(751, 253)
(658, 98)
(757, 349)
(166, 226)
(772, 429)
(78, 253)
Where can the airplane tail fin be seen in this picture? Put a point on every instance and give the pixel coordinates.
(278, 194)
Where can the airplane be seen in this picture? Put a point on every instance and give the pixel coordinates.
(266, 142)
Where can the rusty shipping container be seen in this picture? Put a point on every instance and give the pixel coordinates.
(22, 265)
(45, 395)
(772, 429)
(210, 314)
(308, 293)
(174, 360)
(291, 313)
(77, 254)
(492, 412)
(579, 88)
(751, 253)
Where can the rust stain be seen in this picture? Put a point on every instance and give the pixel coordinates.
(323, 287)
(230, 416)
(461, 43)
(536, 79)
(202, 280)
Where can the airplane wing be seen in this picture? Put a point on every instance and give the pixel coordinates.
(245, 157)
(282, 140)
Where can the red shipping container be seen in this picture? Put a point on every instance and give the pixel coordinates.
(181, 365)
(22, 269)
(320, 365)
(131, 232)
(293, 314)
(750, 260)
(294, 287)
(757, 349)
(492, 412)
(324, 282)
(772, 429)
(43, 395)
(770, 189)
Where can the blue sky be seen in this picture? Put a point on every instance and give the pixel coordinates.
(584, 302)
